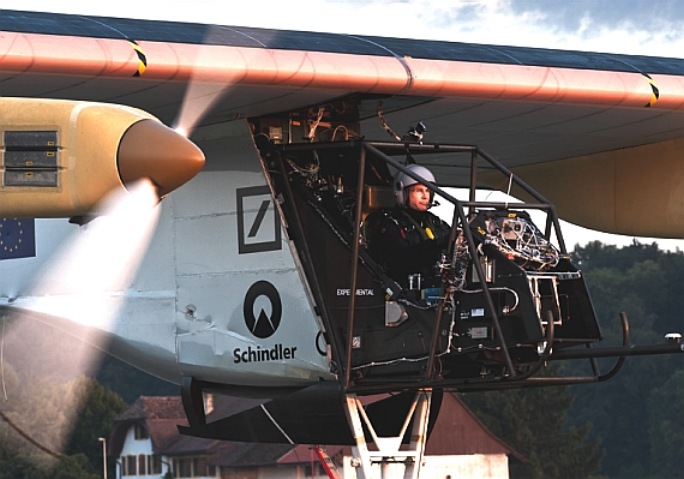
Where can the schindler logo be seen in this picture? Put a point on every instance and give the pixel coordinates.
(263, 311)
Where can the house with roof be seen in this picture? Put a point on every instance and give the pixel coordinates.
(145, 443)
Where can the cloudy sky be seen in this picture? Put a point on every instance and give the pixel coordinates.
(648, 27)
(641, 27)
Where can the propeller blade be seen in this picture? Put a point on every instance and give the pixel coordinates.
(80, 292)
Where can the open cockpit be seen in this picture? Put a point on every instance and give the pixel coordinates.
(502, 300)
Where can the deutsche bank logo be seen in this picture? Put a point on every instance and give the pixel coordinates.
(258, 225)
(263, 309)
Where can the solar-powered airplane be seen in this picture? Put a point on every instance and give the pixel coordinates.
(260, 279)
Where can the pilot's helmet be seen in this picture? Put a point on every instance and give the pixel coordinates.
(403, 181)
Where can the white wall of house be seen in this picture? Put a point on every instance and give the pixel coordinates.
(137, 447)
(475, 466)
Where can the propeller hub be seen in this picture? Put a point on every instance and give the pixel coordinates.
(150, 149)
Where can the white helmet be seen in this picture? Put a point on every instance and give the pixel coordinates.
(403, 181)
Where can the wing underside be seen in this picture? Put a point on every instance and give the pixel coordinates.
(588, 130)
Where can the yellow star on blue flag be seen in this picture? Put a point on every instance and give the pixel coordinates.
(17, 238)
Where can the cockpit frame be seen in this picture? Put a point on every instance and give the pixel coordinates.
(497, 353)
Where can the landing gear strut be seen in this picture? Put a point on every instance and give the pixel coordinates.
(388, 459)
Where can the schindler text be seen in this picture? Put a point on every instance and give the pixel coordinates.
(251, 355)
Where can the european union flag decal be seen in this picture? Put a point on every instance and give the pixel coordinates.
(17, 238)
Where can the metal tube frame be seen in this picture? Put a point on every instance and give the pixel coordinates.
(512, 379)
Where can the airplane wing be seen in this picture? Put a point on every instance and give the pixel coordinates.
(598, 134)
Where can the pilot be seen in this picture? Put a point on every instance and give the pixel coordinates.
(409, 239)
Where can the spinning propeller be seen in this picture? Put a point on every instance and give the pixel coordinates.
(113, 164)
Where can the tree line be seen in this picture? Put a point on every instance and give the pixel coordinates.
(630, 425)
(52, 414)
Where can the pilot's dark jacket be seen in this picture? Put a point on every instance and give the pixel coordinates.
(407, 241)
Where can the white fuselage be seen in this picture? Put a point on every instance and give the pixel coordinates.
(218, 296)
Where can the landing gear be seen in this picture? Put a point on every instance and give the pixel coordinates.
(387, 458)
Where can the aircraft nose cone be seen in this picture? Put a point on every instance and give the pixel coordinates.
(149, 149)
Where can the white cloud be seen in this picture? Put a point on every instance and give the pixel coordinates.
(548, 24)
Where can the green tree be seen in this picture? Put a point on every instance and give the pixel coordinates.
(14, 465)
(130, 383)
(55, 428)
(646, 283)
(666, 427)
(95, 418)
(534, 422)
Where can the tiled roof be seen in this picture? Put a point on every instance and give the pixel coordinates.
(160, 415)
(458, 431)
(180, 445)
(305, 453)
(242, 454)
(163, 433)
(154, 407)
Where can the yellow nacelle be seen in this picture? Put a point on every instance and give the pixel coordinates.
(60, 158)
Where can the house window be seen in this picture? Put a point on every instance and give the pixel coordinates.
(129, 465)
(182, 467)
(154, 465)
(140, 431)
(142, 465)
(199, 466)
